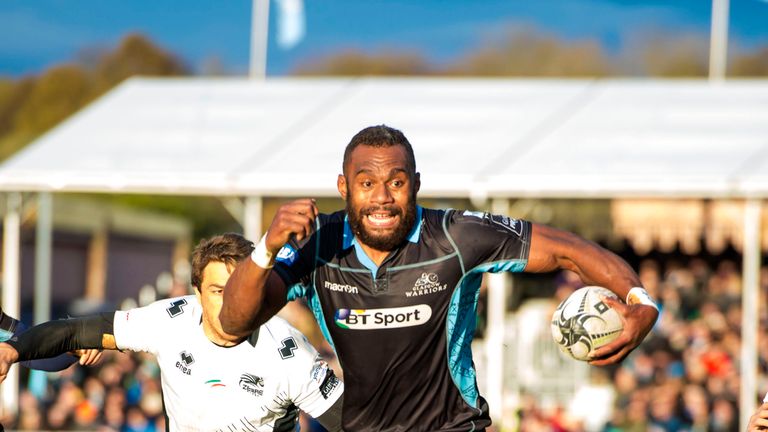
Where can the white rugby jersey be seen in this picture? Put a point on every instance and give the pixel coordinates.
(253, 386)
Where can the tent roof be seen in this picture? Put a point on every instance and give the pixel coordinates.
(472, 137)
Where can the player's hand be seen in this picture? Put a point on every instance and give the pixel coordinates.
(88, 357)
(759, 420)
(296, 218)
(8, 356)
(638, 320)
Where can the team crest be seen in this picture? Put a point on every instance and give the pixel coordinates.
(252, 384)
(427, 283)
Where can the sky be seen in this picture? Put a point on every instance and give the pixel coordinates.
(36, 34)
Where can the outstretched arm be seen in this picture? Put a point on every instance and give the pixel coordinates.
(553, 249)
(57, 337)
(254, 293)
(10, 326)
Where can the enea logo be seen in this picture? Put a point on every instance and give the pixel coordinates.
(373, 319)
(286, 255)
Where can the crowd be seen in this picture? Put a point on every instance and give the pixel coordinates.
(685, 376)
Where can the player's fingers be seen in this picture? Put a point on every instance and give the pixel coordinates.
(299, 226)
(286, 226)
(307, 224)
(759, 422)
(611, 348)
(303, 206)
(614, 303)
(611, 359)
(90, 357)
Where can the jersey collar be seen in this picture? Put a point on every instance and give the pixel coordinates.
(349, 240)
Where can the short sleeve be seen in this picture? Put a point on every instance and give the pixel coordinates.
(314, 386)
(489, 242)
(141, 329)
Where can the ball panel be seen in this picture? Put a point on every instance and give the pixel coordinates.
(583, 322)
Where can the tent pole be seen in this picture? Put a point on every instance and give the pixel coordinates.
(9, 390)
(43, 245)
(252, 218)
(494, 336)
(749, 304)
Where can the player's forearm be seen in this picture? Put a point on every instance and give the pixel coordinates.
(58, 337)
(553, 249)
(245, 307)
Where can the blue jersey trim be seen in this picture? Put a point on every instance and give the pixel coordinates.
(460, 326)
(415, 233)
(313, 301)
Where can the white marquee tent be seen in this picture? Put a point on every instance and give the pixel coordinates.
(475, 138)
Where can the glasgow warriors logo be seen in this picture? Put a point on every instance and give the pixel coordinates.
(252, 384)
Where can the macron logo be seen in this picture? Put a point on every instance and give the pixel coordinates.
(349, 289)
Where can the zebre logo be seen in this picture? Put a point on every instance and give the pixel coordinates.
(252, 384)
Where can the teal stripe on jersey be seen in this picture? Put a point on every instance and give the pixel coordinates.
(317, 310)
(296, 291)
(313, 301)
(460, 326)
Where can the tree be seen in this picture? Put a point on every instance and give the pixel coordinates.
(31, 106)
(356, 63)
(532, 53)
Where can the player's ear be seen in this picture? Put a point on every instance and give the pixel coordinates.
(416, 182)
(341, 185)
(198, 294)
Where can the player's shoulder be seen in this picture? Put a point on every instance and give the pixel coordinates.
(331, 219)
(277, 329)
(474, 219)
(174, 309)
(290, 342)
(331, 226)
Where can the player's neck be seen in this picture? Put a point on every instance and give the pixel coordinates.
(216, 337)
(375, 255)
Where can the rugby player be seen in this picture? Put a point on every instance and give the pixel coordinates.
(394, 287)
(211, 381)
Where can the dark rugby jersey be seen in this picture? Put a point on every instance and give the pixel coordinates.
(403, 331)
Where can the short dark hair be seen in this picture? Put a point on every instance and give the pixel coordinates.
(228, 248)
(380, 136)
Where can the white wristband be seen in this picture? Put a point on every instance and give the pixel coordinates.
(261, 256)
(638, 295)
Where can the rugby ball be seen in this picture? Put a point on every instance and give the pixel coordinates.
(583, 322)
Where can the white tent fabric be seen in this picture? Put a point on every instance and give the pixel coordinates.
(472, 137)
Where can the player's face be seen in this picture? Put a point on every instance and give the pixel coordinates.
(211, 296)
(380, 189)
